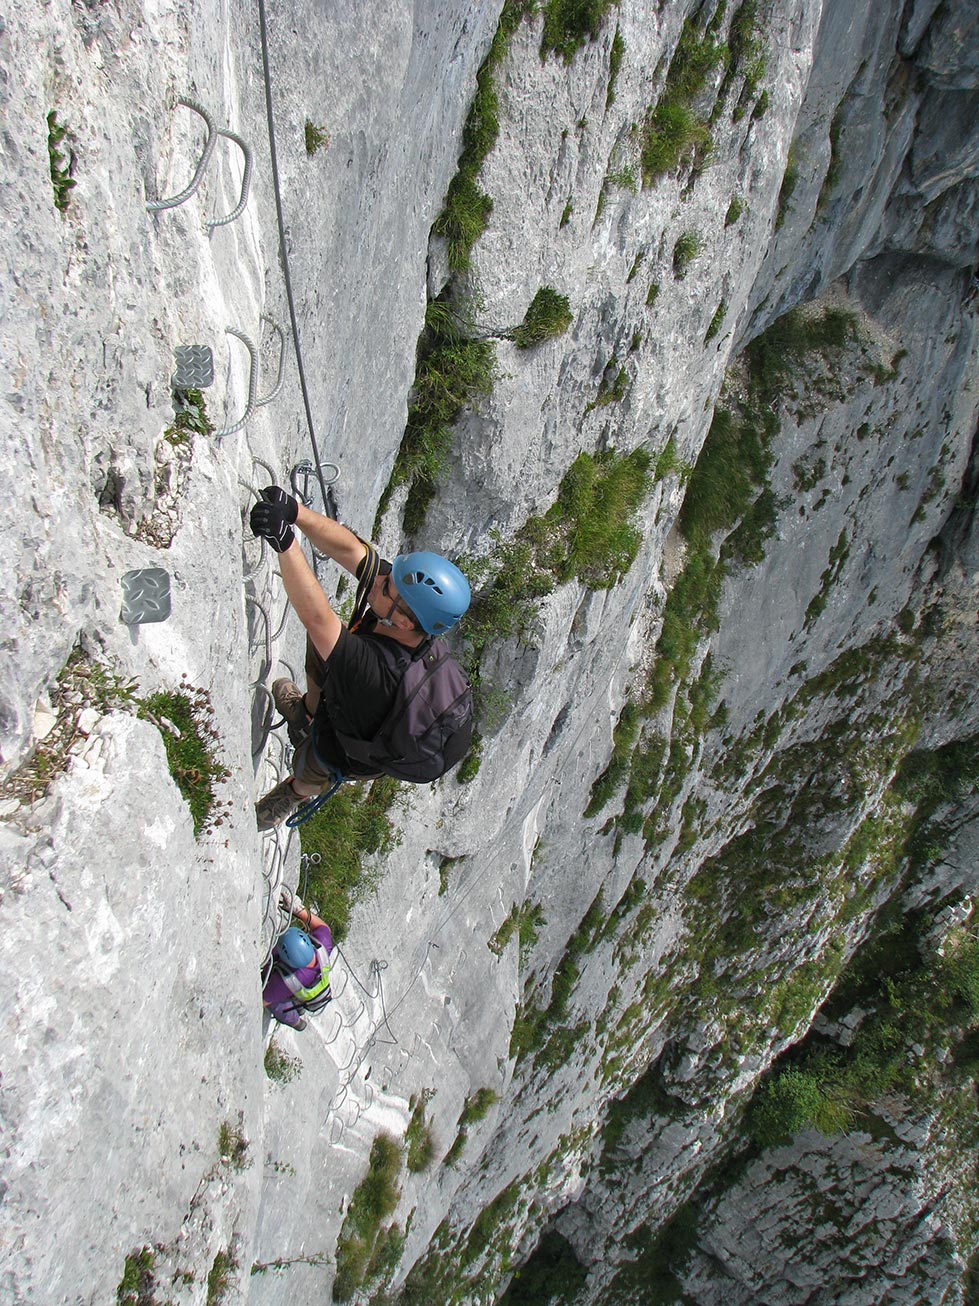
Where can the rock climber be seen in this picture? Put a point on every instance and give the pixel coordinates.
(300, 978)
(351, 681)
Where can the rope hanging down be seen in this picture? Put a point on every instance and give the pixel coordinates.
(283, 251)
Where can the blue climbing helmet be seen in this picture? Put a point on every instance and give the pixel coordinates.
(295, 948)
(433, 588)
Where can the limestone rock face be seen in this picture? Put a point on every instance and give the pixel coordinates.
(724, 760)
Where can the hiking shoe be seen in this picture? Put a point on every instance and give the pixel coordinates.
(301, 1023)
(277, 804)
(290, 704)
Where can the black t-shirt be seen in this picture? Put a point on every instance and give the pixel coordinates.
(362, 679)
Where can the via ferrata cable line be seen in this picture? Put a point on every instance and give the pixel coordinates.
(284, 253)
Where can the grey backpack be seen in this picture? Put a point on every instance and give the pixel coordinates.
(429, 728)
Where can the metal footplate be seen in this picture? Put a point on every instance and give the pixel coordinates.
(194, 367)
(145, 596)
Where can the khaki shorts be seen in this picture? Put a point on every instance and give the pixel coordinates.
(309, 770)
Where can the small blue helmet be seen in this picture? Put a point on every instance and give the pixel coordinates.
(295, 948)
(433, 588)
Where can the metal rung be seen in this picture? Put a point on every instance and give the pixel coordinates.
(253, 400)
(213, 132)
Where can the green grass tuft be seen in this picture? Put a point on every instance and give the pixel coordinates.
(614, 64)
(315, 138)
(734, 211)
(686, 249)
(219, 1278)
(138, 1284)
(363, 1250)
(453, 372)
(672, 133)
(549, 315)
(716, 321)
(568, 24)
(354, 825)
(473, 1110)
(190, 748)
(418, 1136)
(62, 182)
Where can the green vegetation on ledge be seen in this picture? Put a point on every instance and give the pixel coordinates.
(549, 315)
(184, 718)
(62, 183)
(466, 212)
(353, 825)
(727, 516)
(677, 130)
(568, 24)
(365, 1251)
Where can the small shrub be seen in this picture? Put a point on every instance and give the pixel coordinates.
(219, 1278)
(280, 1067)
(686, 249)
(353, 825)
(61, 181)
(652, 294)
(614, 64)
(566, 215)
(81, 683)
(184, 718)
(233, 1145)
(549, 315)
(418, 1136)
(138, 1284)
(568, 24)
(190, 418)
(734, 211)
(316, 138)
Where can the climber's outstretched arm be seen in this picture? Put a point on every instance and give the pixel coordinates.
(311, 604)
(332, 538)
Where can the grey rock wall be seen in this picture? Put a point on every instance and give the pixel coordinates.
(694, 972)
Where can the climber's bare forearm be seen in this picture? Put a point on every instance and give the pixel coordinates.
(332, 538)
(311, 604)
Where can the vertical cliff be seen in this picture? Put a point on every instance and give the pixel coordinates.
(664, 319)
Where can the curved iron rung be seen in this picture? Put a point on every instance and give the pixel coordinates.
(273, 393)
(246, 181)
(253, 400)
(252, 383)
(156, 206)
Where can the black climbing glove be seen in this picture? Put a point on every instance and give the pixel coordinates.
(289, 505)
(272, 517)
